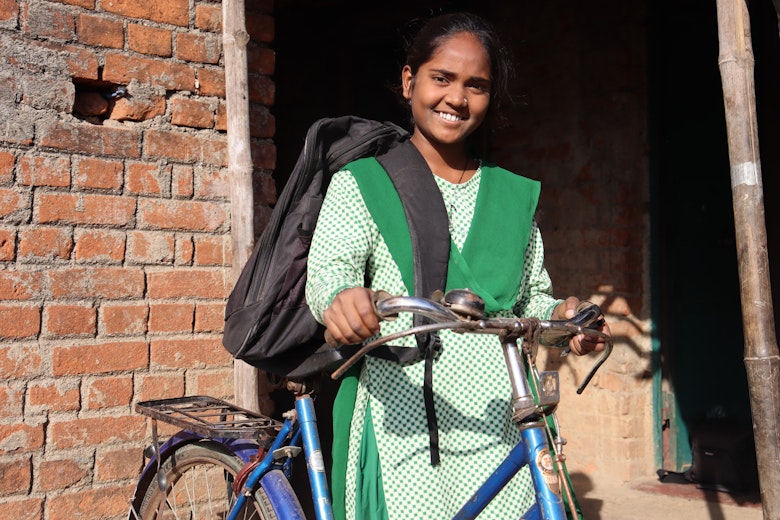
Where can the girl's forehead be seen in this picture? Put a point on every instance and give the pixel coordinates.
(462, 46)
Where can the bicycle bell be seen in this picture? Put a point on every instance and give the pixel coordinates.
(465, 302)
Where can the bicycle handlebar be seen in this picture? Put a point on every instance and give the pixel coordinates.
(462, 311)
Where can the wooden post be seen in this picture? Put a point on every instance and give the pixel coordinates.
(234, 40)
(762, 360)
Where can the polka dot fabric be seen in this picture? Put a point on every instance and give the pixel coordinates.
(471, 389)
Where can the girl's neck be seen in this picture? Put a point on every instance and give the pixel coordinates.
(451, 163)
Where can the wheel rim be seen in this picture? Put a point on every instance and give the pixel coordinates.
(199, 488)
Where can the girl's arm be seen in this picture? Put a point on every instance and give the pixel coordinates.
(341, 246)
(536, 298)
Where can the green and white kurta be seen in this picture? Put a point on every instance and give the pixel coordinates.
(471, 390)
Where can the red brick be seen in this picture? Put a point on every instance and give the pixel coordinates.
(100, 246)
(262, 90)
(171, 317)
(46, 243)
(124, 319)
(70, 320)
(7, 161)
(57, 396)
(11, 399)
(80, 208)
(182, 215)
(192, 283)
(90, 139)
(55, 475)
(100, 357)
(15, 476)
(264, 155)
(208, 17)
(107, 502)
(198, 47)
(24, 509)
(98, 174)
(182, 182)
(262, 123)
(148, 179)
(174, 12)
(9, 10)
(7, 245)
(220, 119)
(108, 392)
(95, 431)
(261, 60)
(14, 205)
(160, 386)
(19, 360)
(260, 27)
(82, 63)
(188, 353)
(213, 185)
(44, 171)
(149, 40)
(20, 285)
(87, 4)
(218, 383)
(150, 248)
(195, 113)
(97, 282)
(118, 463)
(211, 82)
(187, 148)
(120, 68)
(138, 108)
(209, 317)
(20, 438)
(100, 31)
(213, 250)
(19, 321)
(185, 250)
(264, 188)
(43, 20)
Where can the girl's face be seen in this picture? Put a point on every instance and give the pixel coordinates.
(450, 93)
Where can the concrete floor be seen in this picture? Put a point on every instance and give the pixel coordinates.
(652, 500)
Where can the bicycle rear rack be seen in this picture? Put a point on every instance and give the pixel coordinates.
(210, 417)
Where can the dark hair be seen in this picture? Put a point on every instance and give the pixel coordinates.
(435, 31)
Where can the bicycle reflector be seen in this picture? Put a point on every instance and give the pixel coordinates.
(549, 390)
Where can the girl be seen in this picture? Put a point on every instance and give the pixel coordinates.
(454, 78)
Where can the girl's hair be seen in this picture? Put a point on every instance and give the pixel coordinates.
(439, 29)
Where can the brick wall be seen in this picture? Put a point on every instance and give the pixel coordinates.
(581, 128)
(114, 234)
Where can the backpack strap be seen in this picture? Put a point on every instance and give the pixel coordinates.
(428, 228)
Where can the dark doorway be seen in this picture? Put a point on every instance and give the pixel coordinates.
(697, 289)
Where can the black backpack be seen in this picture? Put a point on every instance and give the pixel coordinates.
(267, 321)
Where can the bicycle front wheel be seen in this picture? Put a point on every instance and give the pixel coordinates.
(199, 486)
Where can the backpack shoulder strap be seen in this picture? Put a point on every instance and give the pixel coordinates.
(428, 229)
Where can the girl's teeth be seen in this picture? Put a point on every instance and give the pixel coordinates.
(448, 117)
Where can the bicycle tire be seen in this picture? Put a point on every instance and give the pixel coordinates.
(200, 478)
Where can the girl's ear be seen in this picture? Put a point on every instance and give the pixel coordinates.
(407, 81)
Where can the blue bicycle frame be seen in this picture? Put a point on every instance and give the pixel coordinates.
(532, 451)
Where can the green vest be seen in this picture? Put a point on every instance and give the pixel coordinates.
(491, 263)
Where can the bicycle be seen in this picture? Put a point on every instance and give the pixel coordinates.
(231, 463)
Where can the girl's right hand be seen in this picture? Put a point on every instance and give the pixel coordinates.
(351, 319)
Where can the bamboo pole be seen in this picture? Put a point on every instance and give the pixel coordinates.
(246, 379)
(762, 360)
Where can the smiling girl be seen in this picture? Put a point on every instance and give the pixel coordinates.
(455, 78)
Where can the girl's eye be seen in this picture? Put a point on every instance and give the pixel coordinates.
(480, 88)
(439, 79)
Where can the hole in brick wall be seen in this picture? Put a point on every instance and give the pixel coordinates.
(94, 99)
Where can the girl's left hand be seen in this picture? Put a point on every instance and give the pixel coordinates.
(580, 344)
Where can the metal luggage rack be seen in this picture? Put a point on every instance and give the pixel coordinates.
(210, 417)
